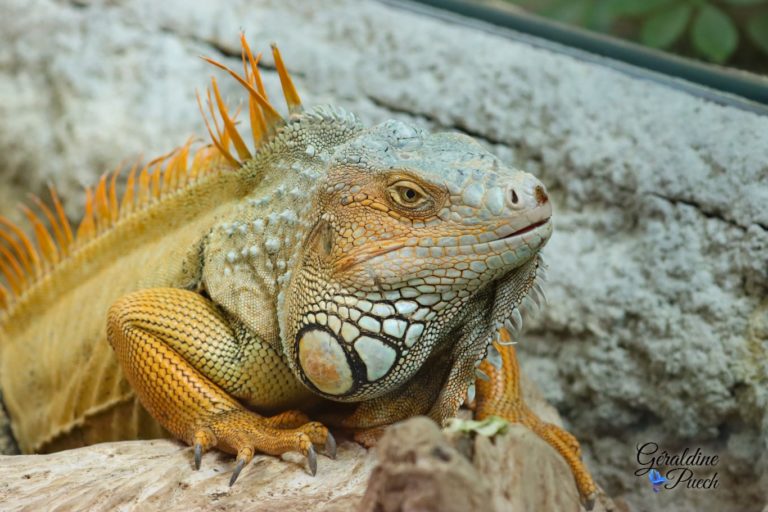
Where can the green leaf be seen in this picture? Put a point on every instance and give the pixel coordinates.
(568, 11)
(493, 427)
(745, 2)
(662, 29)
(757, 29)
(713, 34)
(490, 426)
(601, 16)
(639, 7)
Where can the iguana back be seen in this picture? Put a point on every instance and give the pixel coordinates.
(61, 382)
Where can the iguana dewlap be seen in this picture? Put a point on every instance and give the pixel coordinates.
(354, 275)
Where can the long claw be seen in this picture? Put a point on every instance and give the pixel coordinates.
(236, 473)
(589, 503)
(198, 455)
(312, 460)
(330, 446)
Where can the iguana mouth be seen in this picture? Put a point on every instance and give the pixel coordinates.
(525, 230)
(349, 261)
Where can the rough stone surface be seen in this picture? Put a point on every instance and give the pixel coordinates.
(420, 469)
(160, 475)
(657, 328)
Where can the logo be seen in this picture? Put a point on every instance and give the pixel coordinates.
(656, 479)
(690, 468)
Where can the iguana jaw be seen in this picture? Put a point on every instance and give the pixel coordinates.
(350, 358)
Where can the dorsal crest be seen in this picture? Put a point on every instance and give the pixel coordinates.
(25, 258)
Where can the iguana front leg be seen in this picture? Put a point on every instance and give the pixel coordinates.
(500, 396)
(187, 364)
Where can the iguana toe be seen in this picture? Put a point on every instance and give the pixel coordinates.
(202, 441)
(238, 468)
(312, 460)
(330, 446)
(198, 455)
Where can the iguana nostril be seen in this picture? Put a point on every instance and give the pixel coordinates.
(513, 196)
(540, 195)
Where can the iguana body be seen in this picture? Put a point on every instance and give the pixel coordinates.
(360, 276)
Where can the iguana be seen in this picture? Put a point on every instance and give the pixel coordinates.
(355, 275)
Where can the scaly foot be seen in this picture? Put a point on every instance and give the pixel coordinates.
(244, 433)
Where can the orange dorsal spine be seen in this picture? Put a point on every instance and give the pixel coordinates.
(25, 259)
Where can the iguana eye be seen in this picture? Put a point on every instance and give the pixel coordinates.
(408, 194)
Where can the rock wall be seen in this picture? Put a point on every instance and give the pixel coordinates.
(657, 328)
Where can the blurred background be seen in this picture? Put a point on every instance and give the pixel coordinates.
(727, 32)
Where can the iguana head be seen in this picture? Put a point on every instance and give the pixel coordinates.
(415, 246)
(410, 232)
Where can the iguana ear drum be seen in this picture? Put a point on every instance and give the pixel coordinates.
(321, 238)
